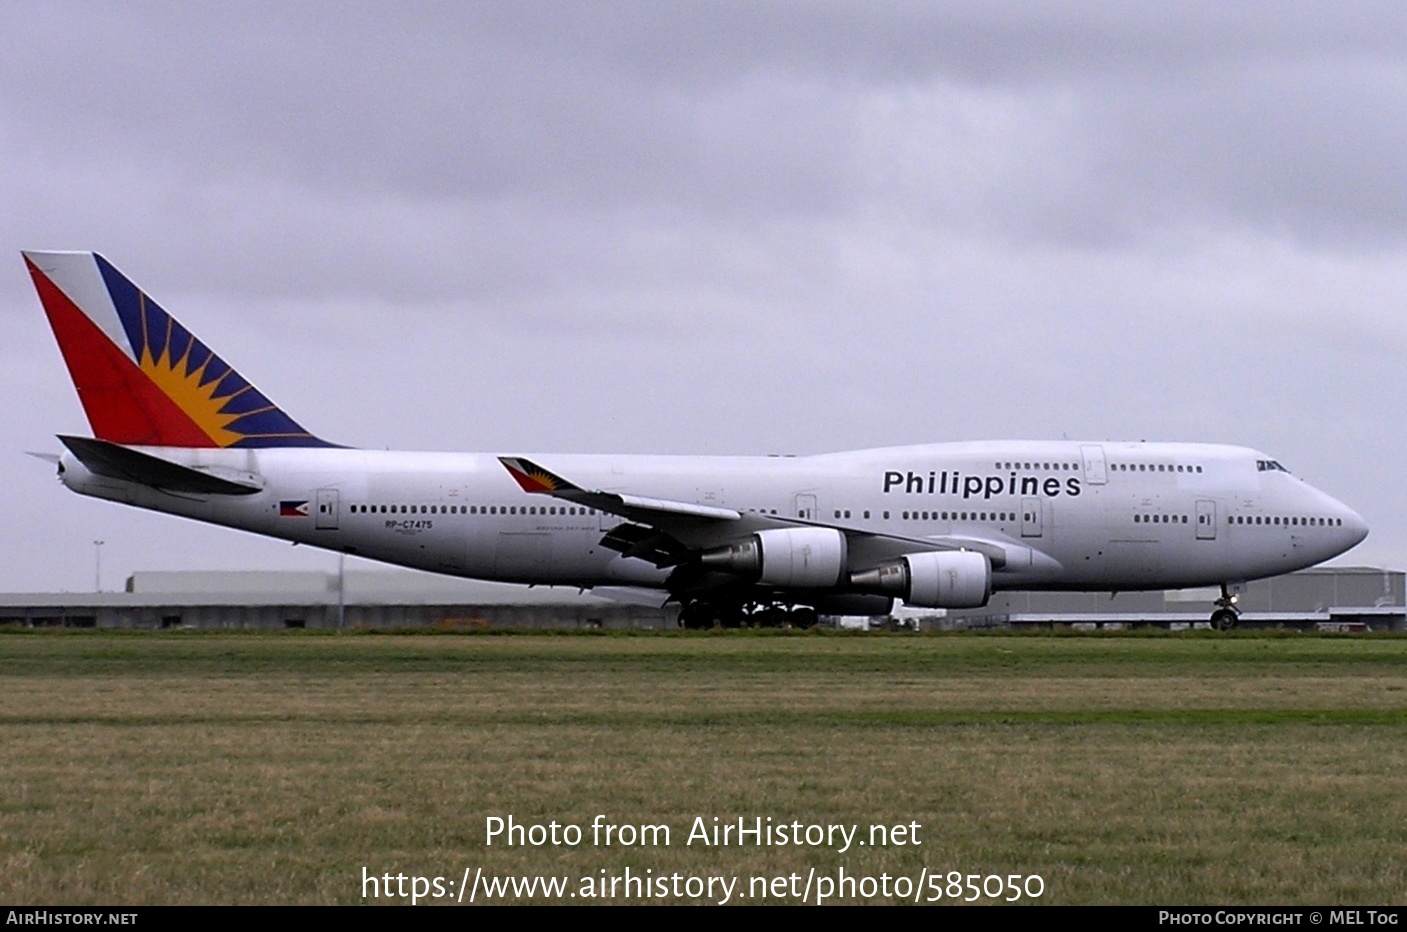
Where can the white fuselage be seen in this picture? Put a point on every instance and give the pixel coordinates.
(1083, 516)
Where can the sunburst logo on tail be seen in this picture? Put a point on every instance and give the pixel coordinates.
(187, 379)
(232, 412)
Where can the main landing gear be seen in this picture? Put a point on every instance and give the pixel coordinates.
(1226, 614)
(701, 614)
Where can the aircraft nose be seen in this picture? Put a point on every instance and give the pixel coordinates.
(1351, 527)
(1354, 526)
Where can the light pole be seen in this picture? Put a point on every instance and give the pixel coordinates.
(98, 565)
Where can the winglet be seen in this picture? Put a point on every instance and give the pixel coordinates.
(533, 478)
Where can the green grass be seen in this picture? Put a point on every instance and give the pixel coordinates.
(271, 768)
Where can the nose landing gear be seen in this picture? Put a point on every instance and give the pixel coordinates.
(1226, 614)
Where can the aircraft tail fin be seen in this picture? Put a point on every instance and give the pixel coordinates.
(143, 378)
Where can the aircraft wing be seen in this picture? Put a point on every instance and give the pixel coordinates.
(538, 481)
(666, 532)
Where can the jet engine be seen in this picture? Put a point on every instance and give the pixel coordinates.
(932, 579)
(792, 558)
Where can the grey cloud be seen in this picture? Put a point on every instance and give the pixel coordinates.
(714, 227)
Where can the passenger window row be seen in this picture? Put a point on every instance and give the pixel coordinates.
(957, 516)
(471, 510)
(1153, 467)
(1276, 520)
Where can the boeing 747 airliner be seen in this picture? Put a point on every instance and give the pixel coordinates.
(734, 540)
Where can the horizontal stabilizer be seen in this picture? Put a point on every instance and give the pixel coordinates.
(119, 462)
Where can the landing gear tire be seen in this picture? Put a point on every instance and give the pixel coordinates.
(702, 615)
(804, 618)
(694, 616)
(771, 617)
(729, 616)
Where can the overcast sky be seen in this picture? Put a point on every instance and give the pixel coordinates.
(719, 228)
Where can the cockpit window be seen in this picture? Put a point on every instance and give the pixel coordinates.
(1270, 466)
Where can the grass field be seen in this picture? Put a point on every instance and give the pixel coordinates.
(151, 768)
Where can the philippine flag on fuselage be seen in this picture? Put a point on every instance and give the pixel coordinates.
(293, 509)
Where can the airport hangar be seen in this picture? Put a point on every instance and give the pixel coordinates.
(1346, 598)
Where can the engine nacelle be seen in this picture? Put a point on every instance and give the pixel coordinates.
(792, 558)
(933, 579)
